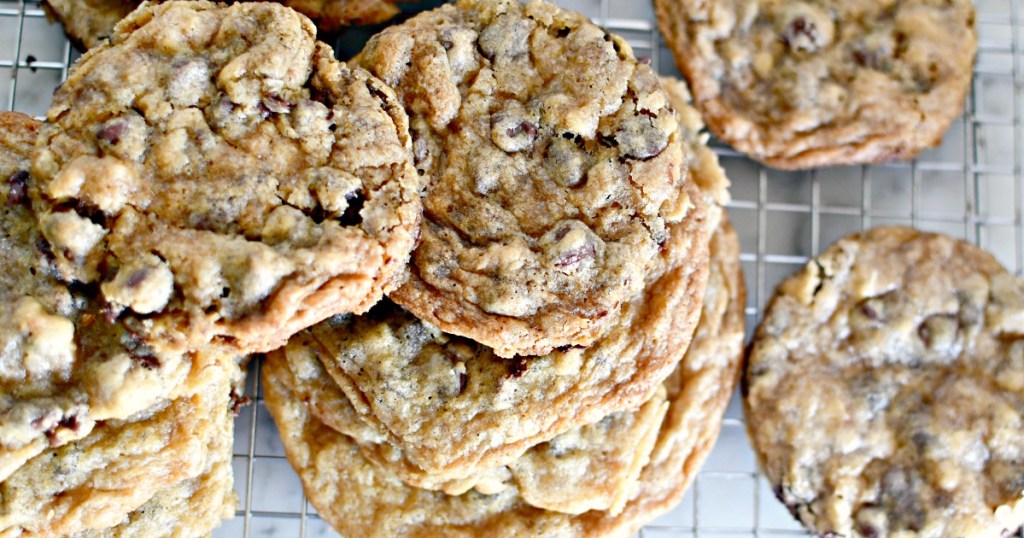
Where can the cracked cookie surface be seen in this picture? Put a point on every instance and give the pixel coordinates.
(215, 170)
(357, 496)
(91, 22)
(885, 389)
(553, 165)
(823, 83)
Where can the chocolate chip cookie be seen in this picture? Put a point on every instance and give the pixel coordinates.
(95, 482)
(885, 389)
(554, 167)
(214, 170)
(357, 496)
(65, 363)
(91, 22)
(822, 83)
(455, 408)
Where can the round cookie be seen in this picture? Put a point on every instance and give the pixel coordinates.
(93, 483)
(594, 467)
(214, 169)
(554, 171)
(823, 83)
(65, 364)
(357, 497)
(91, 22)
(885, 389)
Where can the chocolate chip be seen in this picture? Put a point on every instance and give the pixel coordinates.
(65, 423)
(17, 188)
(138, 277)
(869, 312)
(376, 91)
(512, 131)
(238, 402)
(562, 32)
(30, 60)
(517, 367)
(276, 104)
(446, 39)
(112, 132)
(576, 255)
(799, 27)
(351, 217)
(525, 127)
(925, 334)
(463, 382)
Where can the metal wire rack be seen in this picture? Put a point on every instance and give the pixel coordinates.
(971, 187)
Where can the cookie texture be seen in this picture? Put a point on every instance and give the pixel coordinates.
(189, 509)
(885, 389)
(456, 408)
(593, 467)
(91, 22)
(65, 364)
(93, 483)
(217, 173)
(554, 172)
(822, 83)
(356, 496)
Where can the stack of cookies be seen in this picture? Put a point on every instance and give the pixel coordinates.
(206, 184)
(535, 372)
(563, 322)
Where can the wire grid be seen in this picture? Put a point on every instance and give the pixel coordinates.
(970, 187)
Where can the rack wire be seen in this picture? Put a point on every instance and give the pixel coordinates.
(970, 187)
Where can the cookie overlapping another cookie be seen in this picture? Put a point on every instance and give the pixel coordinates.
(553, 166)
(357, 496)
(221, 177)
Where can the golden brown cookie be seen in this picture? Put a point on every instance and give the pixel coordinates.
(91, 22)
(357, 496)
(95, 482)
(885, 389)
(821, 82)
(65, 363)
(216, 171)
(554, 167)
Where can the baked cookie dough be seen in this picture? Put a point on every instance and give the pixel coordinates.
(216, 171)
(189, 509)
(821, 83)
(65, 364)
(885, 389)
(95, 482)
(554, 172)
(358, 497)
(593, 467)
(91, 22)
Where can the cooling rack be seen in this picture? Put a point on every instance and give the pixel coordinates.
(970, 187)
